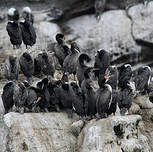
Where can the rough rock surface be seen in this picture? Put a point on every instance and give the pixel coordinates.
(112, 32)
(141, 21)
(40, 132)
(143, 102)
(115, 134)
(45, 132)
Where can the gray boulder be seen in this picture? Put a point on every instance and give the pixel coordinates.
(115, 134)
(112, 33)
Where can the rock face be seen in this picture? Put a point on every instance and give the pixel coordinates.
(40, 132)
(45, 132)
(115, 134)
(112, 33)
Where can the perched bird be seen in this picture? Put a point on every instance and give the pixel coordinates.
(125, 74)
(37, 65)
(46, 65)
(65, 96)
(27, 66)
(28, 33)
(88, 94)
(102, 61)
(125, 96)
(7, 96)
(103, 97)
(142, 79)
(61, 49)
(99, 8)
(11, 68)
(113, 82)
(70, 62)
(13, 28)
(27, 14)
(78, 103)
(81, 67)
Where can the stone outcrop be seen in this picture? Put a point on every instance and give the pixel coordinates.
(45, 132)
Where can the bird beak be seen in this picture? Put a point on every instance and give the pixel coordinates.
(106, 77)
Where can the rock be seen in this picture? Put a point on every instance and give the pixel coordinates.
(141, 17)
(115, 134)
(135, 109)
(143, 102)
(3, 136)
(112, 33)
(41, 132)
(2, 110)
(76, 127)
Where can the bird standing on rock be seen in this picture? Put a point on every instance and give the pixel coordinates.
(103, 97)
(11, 68)
(13, 28)
(70, 62)
(27, 66)
(61, 49)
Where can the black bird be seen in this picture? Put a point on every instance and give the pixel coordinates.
(13, 28)
(61, 49)
(125, 74)
(102, 61)
(143, 78)
(11, 68)
(125, 96)
(64, 78)
(28, 33)
(82, 67)
(7, 96)
(47, 65)
(99, 8)
(65, 96)
(27, 66)
(37, 65)
(113, 82)
(89, 94)
(18, 96)
(103, 97)
(70, 62)
(78, 102)
(27, 14)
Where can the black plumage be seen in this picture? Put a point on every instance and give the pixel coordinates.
(28, 33)
(61, 49)
(78, 102)
(11, 68)
(27, 66)
(125, 99)
(88, 94)
(70, 62)
(7, 96)
(102, 61)
(103, 97)
(37, 65)
(15, 33)
(46, 64)
(143, 78)
(82, 67)
(125, 74)
(65, 95)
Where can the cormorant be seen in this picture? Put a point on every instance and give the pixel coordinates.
(11, 68)
(27, 66)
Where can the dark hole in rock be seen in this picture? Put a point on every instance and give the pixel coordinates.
(118, 130)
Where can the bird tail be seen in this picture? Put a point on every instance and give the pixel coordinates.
(123, 111)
